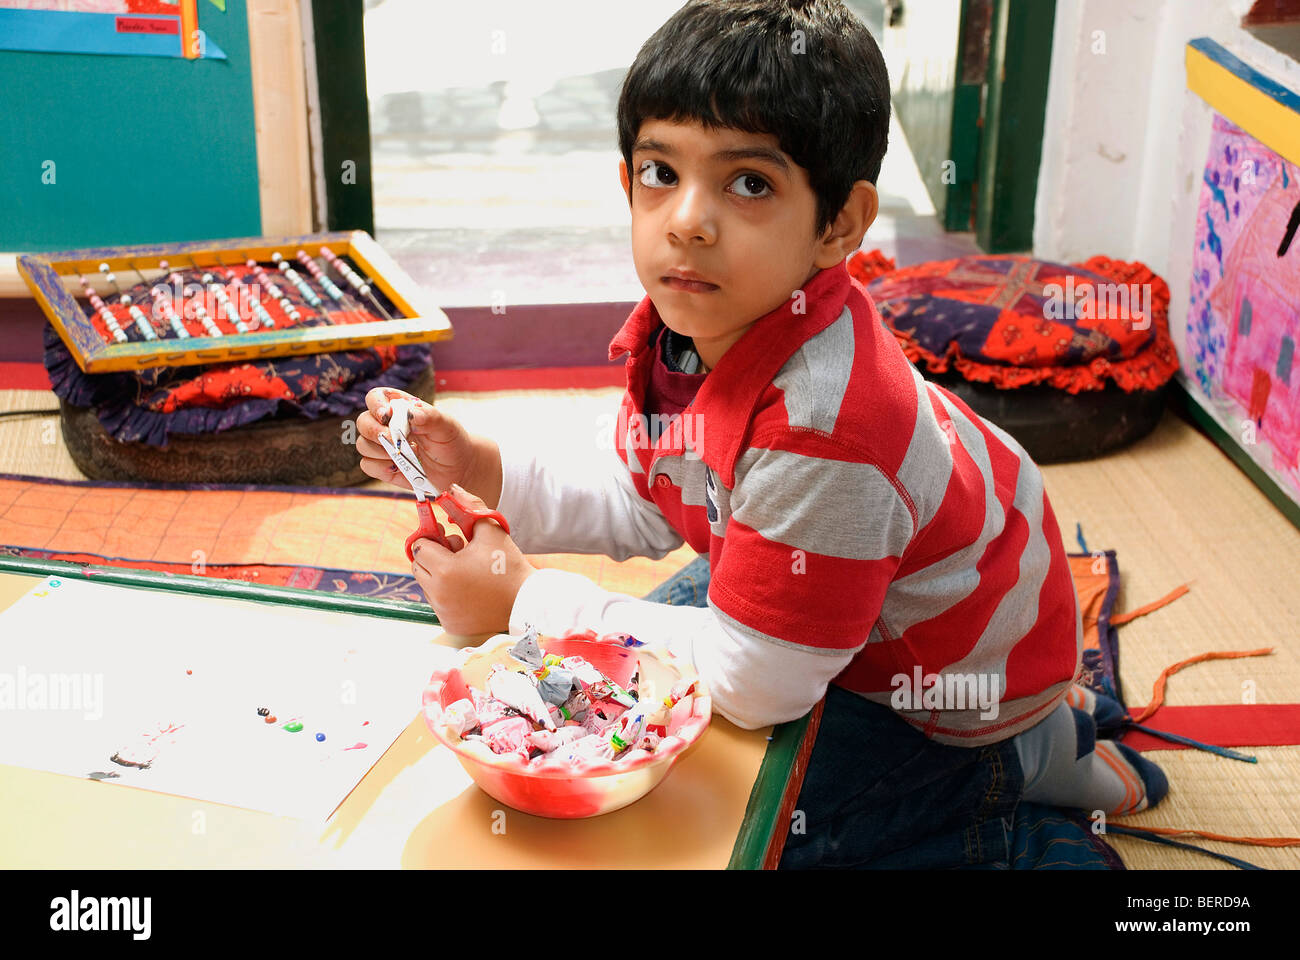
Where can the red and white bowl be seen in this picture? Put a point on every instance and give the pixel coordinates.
(568, 789)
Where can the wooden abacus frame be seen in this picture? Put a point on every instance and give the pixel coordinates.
(44, 274)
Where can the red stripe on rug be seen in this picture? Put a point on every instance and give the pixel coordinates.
(1225, 725)
(535, 378)
(23, 376)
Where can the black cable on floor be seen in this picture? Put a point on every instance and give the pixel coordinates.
(29, 413)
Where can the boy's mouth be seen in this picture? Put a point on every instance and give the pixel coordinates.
(687, 281)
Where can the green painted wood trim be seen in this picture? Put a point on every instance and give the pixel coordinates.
(959, 210)
(964, 138)
(765, 798)
(1020, 58)
(344, 112)
(1191, 410)
(230, 589)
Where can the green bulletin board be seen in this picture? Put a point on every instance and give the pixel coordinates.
(140, 149)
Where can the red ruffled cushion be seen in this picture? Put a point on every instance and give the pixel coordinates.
(1013, 321)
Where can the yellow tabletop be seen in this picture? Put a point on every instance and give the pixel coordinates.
(415, 808)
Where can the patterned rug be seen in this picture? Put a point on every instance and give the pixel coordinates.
(316, 538)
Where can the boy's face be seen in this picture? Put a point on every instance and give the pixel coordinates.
(732, 208)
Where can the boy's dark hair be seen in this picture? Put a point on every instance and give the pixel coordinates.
(736, 63)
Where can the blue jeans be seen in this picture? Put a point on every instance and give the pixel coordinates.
(880, 794)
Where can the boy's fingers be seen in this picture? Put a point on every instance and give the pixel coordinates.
(471, 500)
(377, 400)
(426, 415)
(384, 469)
(377, 397)
(368, 425)
(368, 448)
(429, 554)
(430, 422)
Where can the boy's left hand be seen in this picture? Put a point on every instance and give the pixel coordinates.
(472, 587)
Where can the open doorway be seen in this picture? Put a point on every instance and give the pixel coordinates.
(494, 149)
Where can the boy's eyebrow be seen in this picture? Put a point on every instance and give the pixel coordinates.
(737, 153)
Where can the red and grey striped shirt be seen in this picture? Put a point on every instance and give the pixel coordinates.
(864, 527)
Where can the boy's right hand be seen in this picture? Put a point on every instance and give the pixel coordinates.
(446, 450)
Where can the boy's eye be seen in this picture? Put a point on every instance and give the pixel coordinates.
(749, 185)
(654, 174)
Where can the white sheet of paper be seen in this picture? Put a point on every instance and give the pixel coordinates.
(111, 662)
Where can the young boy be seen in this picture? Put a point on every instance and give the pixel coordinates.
(869, 538)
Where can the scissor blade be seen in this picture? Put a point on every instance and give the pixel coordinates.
(410, 468)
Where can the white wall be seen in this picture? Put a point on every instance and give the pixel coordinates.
(1125, 145)
(1111, 144)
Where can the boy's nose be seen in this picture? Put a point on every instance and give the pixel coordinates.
(692, 216)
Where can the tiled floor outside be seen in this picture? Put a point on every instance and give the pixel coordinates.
(495, 158)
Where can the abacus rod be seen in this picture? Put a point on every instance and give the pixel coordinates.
(110, 321)
(219, 291)
(263, 317)
(169, 314)
(141, 321)
(292, 276)
(200, 312)
(317, 274)
(277, 294)
(359, 283)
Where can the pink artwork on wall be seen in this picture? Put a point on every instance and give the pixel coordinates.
(1244, 313)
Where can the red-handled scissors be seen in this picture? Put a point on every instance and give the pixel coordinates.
(399, 449)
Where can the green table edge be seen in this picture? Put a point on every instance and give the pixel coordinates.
(761, 811)
(759, 824)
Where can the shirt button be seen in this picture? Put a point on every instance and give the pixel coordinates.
(662, 480)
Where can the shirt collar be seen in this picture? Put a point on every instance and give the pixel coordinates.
(726, 400)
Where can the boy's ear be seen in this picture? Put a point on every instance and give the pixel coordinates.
(844, 236)
(623, 179)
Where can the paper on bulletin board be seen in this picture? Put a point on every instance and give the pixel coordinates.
(149, 28)
(90, 670)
